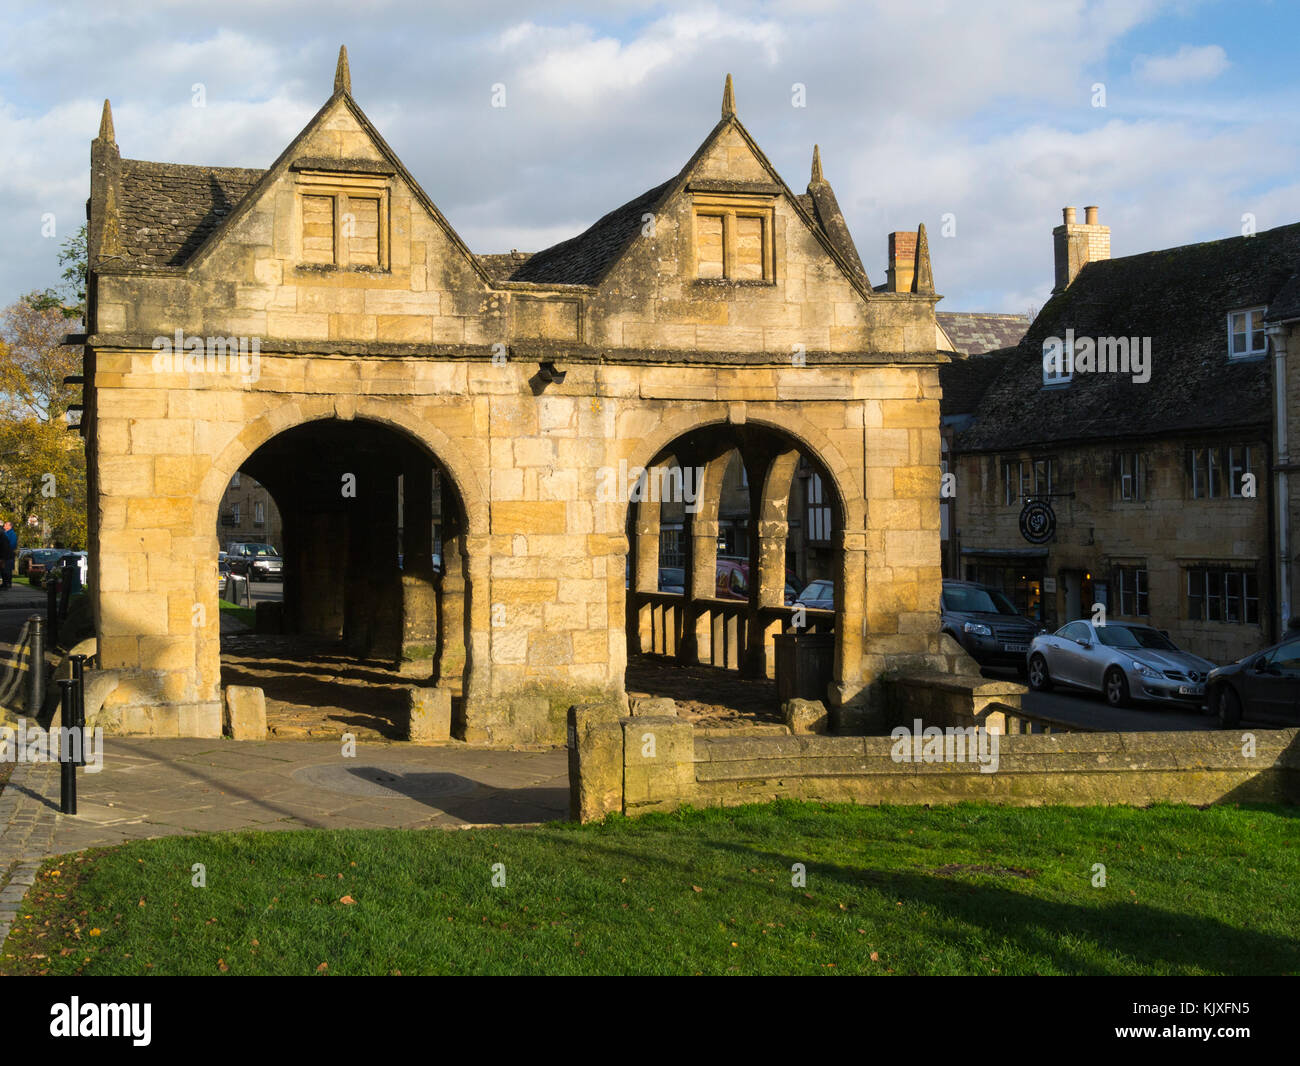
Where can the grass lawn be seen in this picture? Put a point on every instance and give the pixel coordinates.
(907, 890)
(247, 615)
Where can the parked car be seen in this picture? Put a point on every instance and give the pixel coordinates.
(21, 561)
(257, 562)
(818, 595)
(42, 560)
(1124, 661)
(987, 624)
(1264, 686)
(435, 557)
(672, 579)
(733, 582)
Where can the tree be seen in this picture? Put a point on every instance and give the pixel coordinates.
(42, 464)
(69, 296)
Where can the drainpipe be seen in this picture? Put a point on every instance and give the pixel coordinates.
(1277, 336)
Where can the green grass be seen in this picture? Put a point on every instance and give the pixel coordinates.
(969, 889)
(247, 615)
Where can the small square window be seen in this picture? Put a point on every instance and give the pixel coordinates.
(733, 238)
(1058, 362)
(1246, 333)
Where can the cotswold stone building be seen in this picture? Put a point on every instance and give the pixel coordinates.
(1164, 480)
(717, 311)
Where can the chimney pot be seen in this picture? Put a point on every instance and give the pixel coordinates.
(1090, 215)
(1068, 214)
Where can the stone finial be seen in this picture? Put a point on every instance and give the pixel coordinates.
(342, 75)
(728, 99)
(106, 125)
(922, 276)
(817, 166)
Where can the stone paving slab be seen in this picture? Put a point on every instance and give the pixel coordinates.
(156, 788)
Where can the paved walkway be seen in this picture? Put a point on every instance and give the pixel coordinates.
(155, 788)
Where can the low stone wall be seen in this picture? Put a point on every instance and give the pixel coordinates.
(946, 699)
(641, 762)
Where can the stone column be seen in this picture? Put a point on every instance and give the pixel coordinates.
(645, 574)
(419, 596)
(451, 602)
(472, 723)
(850, 630)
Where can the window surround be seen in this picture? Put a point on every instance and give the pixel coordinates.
(1253, 329)
(341, 188)
(730, 208)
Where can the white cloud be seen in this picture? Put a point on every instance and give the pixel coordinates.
(1188, 64)
(981, 110)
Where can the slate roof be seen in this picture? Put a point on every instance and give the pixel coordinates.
(1180, 298)
(581, 260)
(977, 332)
(965, 381)
(167, 210)
(1286, 304)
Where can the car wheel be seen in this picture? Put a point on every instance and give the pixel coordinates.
(1115, 687)
(1039, 679)
(1229, 708)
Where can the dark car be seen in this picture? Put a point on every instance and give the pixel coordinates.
(1263, 687)
(257, 562)
(672, 579)
(986, 624)
(819, 595)
(41, 561)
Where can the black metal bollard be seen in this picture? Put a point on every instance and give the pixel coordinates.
(36, 667)
(79, 705)
(52, 608)
(67, 765)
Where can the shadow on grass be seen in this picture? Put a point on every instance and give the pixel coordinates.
(1057, 931)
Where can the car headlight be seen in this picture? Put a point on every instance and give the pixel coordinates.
(1144, 670)
(978, 629)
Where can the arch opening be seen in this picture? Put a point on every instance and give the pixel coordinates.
(736, 574)
(372, 599)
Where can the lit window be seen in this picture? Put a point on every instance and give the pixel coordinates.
(1246, 336)
(1058, 361)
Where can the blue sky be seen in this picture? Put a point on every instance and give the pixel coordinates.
(983, 111)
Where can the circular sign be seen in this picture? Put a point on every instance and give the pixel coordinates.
(1037, 521)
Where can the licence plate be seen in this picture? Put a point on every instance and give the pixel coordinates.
(1191, 690)
(1015, 647)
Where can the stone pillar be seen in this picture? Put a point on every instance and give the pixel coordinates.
(321, 561)
(754, 662)
(645, 574)
(473, 722)
(451, 603)
(697, 639)
(419, 596)
(850, 632)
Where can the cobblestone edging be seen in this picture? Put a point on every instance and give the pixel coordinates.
(27, 823)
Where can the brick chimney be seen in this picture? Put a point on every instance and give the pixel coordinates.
(902, 261)
(1078, 244)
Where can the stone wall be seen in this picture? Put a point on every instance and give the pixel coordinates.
(634, 764)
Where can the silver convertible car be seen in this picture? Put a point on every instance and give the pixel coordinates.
(1121, 660)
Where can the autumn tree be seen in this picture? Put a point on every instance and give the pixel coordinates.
(42, 463)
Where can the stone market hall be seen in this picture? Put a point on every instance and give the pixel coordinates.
(333, 337)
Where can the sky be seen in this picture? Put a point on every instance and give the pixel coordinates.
(980, 119)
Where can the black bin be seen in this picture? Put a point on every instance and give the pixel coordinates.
(805, 664)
